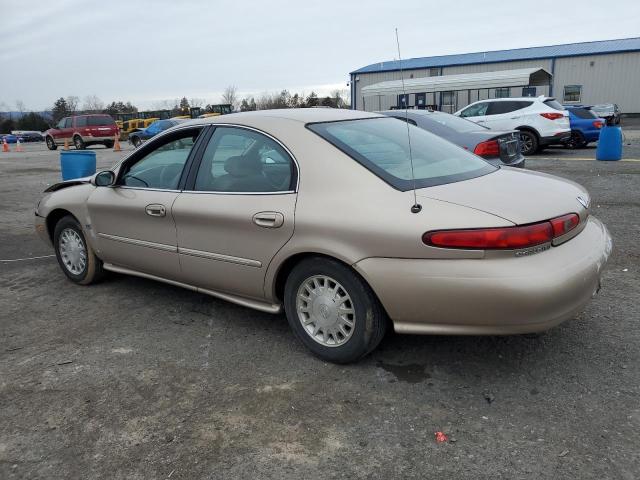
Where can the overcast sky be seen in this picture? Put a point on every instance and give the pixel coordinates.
(145, 51)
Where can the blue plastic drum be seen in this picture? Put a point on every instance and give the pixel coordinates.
(610, 144)
(77, 164)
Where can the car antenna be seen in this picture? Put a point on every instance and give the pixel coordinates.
(416, 207)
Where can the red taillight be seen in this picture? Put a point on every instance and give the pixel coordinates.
(552, 116)
(503, 237)
(597, 124)
(490, 148)
(564, 224)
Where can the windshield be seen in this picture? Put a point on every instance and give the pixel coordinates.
(381, 145)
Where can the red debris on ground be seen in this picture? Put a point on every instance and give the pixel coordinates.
(441, 437)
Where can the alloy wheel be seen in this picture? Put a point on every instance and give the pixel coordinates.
(325, 310)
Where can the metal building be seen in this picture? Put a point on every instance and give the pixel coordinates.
(605, 71)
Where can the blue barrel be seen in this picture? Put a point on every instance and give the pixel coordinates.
(609, 144)
(77, 163)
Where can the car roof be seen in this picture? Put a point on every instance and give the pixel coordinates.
(302, 115)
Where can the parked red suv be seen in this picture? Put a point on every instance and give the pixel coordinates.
(82, 130)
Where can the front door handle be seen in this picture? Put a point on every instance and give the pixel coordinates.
(156, 210)
(268, 219)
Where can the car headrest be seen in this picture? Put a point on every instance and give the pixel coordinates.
(243, 166)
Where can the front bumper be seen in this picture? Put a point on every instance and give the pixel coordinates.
(491, 296)
(41, 229)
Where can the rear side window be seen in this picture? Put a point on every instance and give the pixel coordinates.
(583, 113)
(553, 104)
(497, 108)
(81, 121)
(381, 146)
(100, 120)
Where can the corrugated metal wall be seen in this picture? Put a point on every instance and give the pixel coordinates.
(612, 78)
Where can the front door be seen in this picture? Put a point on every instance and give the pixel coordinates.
(132, 222)
(237, 212)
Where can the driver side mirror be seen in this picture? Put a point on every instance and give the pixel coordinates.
(104, 179)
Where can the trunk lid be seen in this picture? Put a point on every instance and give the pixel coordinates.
(520, 196)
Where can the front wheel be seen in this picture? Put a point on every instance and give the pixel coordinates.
(75, 256)
(136, 142)
(332, 310)
(108, 144)
(528, 142)
(51, 145)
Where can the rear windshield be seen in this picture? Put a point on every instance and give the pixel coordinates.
(381, 145)
(97, 120)
(583, 113)
(553, 104)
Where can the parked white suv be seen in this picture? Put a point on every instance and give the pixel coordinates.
(541, 121)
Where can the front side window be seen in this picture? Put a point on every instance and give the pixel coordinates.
(381, 146)
(68, 122)
(477, 110)
(161, 164)
(244, 161)
(572, 93)
(61, 124)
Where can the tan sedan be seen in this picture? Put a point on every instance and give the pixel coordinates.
(314, 211)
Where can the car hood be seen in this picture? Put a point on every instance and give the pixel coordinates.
(518, 196)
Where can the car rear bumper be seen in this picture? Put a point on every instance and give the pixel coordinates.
(559, 138)
(491, 296)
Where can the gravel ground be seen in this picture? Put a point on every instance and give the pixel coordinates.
(135, 379)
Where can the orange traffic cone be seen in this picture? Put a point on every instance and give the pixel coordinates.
(116, 143)
(66, 144)
(19, 146)
(5, 145)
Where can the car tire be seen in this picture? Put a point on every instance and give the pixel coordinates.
(51, 145)
(75, 256)
(576, 140)
(79, 143)
(108, 144)
(529, 142)
(136, 142)
(331, 288)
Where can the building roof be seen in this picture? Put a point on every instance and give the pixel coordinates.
(497, 56)
(465, 81)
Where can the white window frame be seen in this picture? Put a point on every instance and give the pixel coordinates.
(564, 94)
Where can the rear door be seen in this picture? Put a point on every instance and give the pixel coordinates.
(236, 212)
(501, 115)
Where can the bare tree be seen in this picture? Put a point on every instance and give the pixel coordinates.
(72, 103)
(92, 104)
(196, 102)
(230, 96)
(20, 106)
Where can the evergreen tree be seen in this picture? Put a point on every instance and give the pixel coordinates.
(60, 110)
(312, 100)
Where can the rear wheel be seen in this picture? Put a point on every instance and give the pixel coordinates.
(332, 310)
(529, 142)
(51, 145)
(576, 140)
(136, 142)
(75, 256)
(78, 143)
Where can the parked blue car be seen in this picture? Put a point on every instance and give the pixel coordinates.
(10, 138)
(136, 138)
(585, 127)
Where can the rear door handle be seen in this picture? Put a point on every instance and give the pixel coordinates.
(156, 210)
(268, 219)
